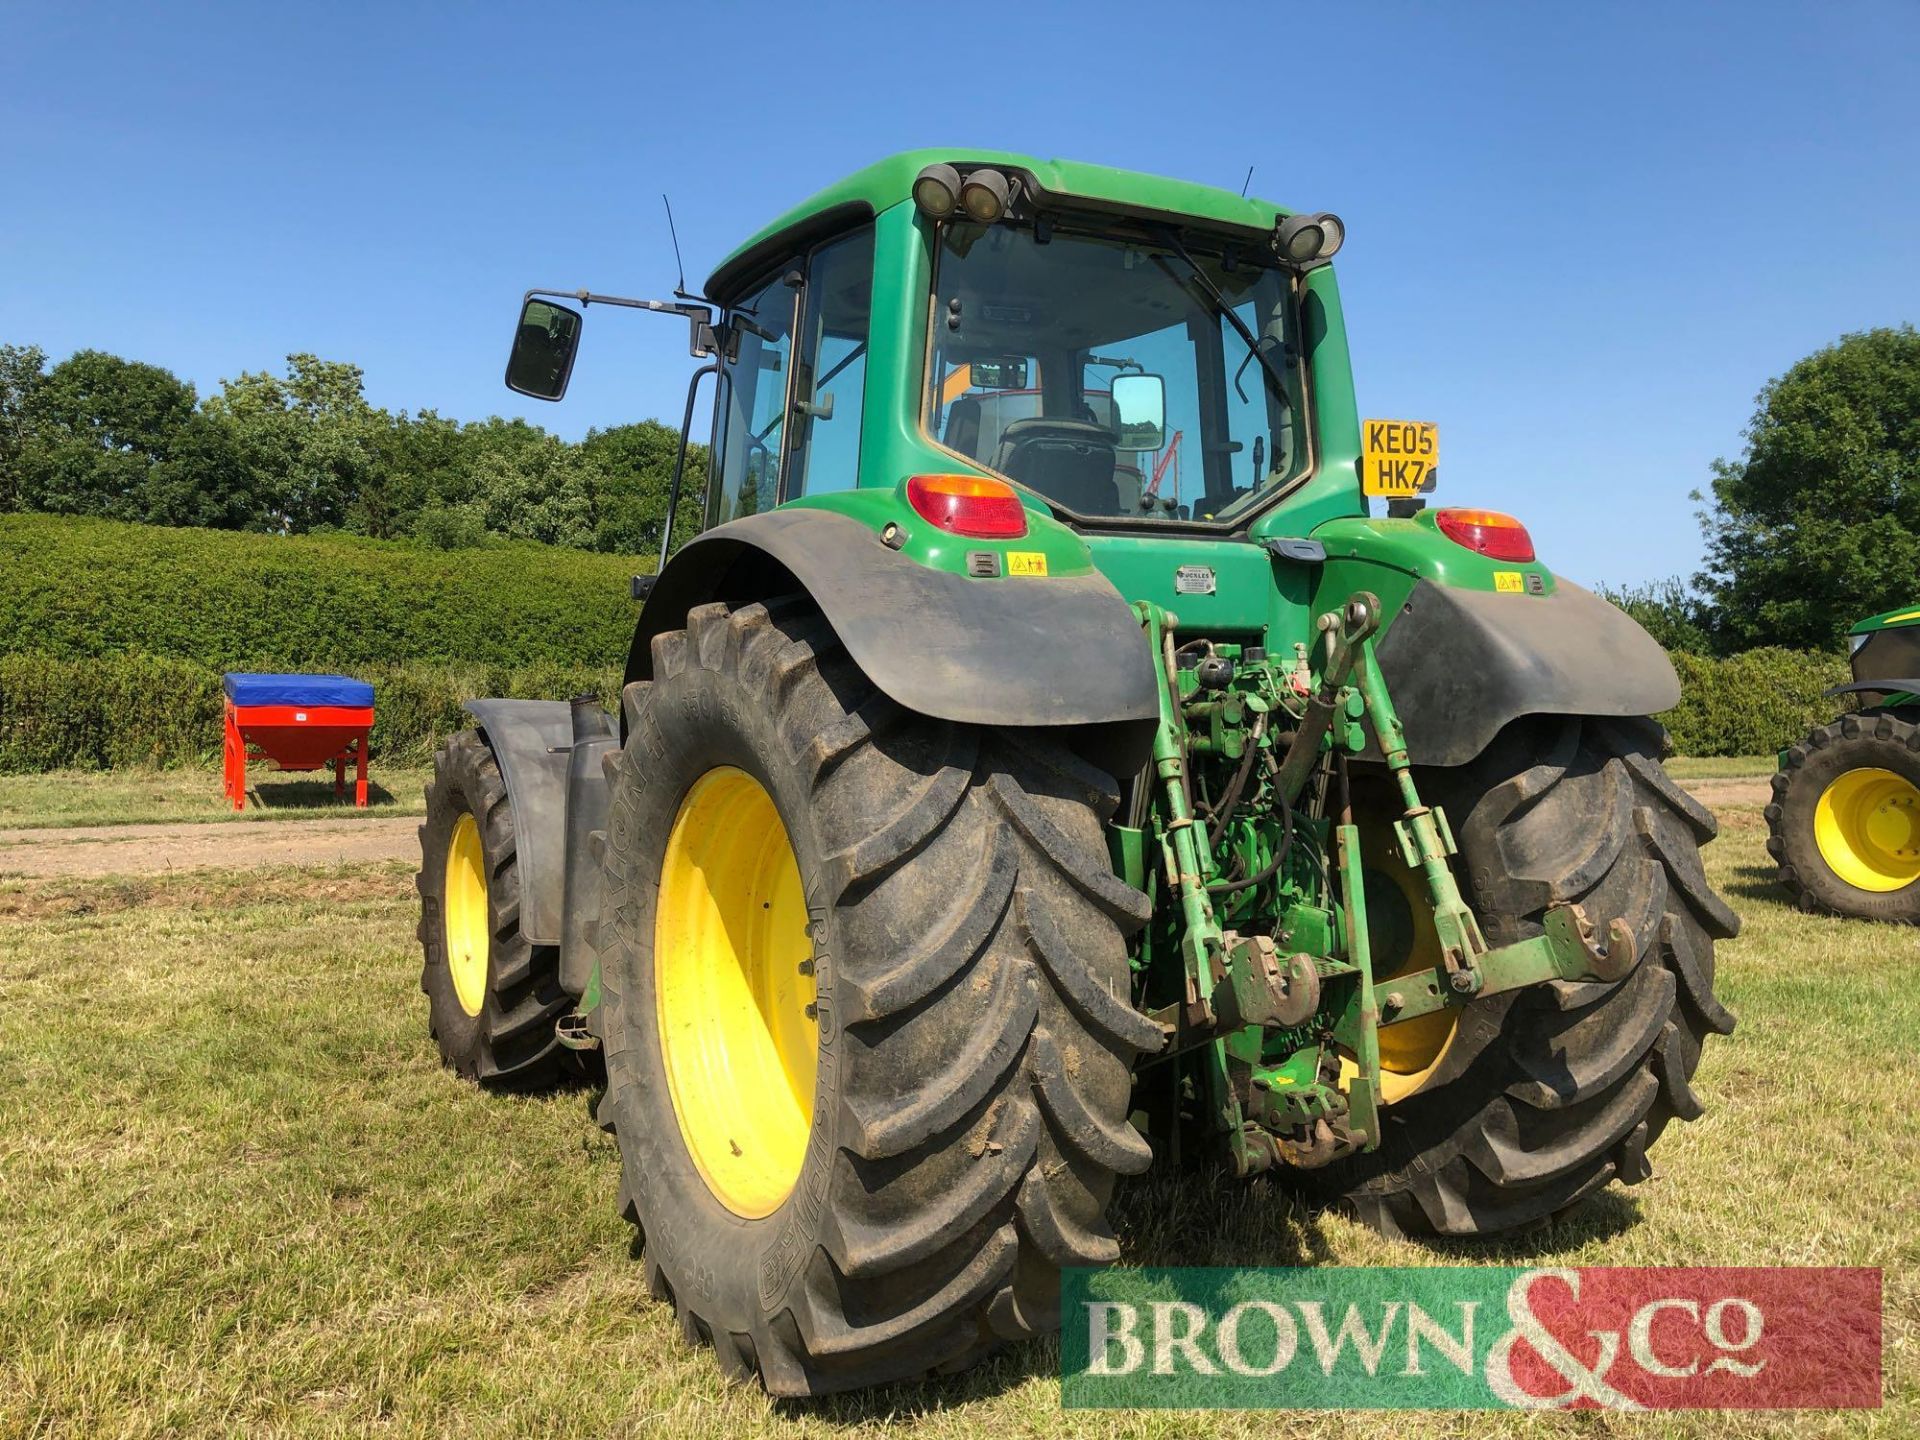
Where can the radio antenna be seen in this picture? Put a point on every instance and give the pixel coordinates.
(1243, 184)
(680, 288)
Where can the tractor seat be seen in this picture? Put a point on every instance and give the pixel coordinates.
(963, 426)
(1068, 461)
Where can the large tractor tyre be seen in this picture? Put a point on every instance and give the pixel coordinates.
(1533, 1099)
(1844, 824)
(866, 1010)
(492, 998)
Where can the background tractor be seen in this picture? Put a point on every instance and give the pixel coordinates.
(994, 808)
(1844, 823)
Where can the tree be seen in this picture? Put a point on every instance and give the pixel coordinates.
(205, 481)
(1669, 611)
(530, 485)
(306, 451)
(22, 370)
(420, 461)
(1818, 523)
(310, 443)
(100, 426)
(637, 463)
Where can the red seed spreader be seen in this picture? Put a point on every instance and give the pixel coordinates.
(300, 722)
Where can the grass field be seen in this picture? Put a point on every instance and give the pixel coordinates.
(241, 1197)
(116, 797)
(1722, 767)
(126, 797)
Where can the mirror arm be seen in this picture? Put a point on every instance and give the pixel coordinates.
(680, 460)
(701, 341)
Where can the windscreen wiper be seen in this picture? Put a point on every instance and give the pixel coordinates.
(1212, 291)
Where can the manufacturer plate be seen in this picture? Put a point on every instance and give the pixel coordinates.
(1193, 580)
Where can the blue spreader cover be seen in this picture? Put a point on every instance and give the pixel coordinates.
(297, 690)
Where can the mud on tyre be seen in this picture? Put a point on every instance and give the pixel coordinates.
(972, 1033)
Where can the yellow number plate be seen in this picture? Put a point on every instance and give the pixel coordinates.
(1026, 562)
(1398, 458)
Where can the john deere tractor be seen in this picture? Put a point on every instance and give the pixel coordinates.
(1045, 764)
(1844, 824)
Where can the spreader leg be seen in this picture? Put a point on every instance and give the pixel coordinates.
(360, 778)
(234, 765)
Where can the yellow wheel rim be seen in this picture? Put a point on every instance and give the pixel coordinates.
(1404, 943)
(463, 910)
(1867, 825)
(733, 979)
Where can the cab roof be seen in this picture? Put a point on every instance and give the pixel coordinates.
(1888, 620)
(889, 182)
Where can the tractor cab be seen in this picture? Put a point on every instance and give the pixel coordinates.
(1119, 364)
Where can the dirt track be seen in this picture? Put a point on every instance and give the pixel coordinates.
(156, 849)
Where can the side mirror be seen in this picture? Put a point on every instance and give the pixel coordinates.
(1140, 411)
(543, 350)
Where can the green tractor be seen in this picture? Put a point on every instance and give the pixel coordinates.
(995, 809)
(1844, 823)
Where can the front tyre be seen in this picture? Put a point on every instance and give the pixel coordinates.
(1537, 1098)
(493, 997)
(866, 1011)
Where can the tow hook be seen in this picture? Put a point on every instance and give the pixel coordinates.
(1569, 925)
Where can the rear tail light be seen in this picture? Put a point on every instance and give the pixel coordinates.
(970, 505)
(1496, 536)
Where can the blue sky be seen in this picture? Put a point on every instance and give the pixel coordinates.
(1581, 236)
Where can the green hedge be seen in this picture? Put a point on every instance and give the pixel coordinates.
(112, 638)
(235, 601)
(138, 710)
(60, 713)
(1754, 703)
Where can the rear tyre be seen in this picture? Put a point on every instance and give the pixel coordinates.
(1541, 1096)
(955, 1137)
(1844, 824)
(492, 997)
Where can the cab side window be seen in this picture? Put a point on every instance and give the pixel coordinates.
(830, 382)
(787, 416)
(750, 411)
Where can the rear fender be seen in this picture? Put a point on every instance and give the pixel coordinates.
(1461, 664)
(1053, 652)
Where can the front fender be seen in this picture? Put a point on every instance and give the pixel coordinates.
(1461, 664)
(1044, 651)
